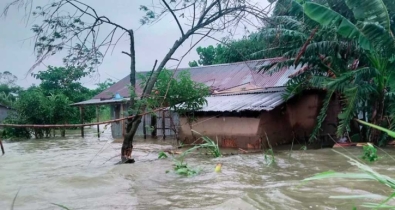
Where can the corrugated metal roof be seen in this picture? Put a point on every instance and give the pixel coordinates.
(256, 101)
(100, 102)
(219, 77)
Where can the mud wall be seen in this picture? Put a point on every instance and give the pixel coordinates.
(294, 120)
(231, 131)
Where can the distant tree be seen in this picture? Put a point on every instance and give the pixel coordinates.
(65, 80)
(102, 86)
(35, 107)
(7, 78)
(8, 88)
(230, 51)
(193, 64)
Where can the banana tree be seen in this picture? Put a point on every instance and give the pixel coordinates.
(367, 86)
(346, 47)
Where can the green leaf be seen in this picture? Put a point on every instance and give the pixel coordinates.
(389, 132)
(373, 11)
(372, 196)
(327, 17)
(61, 206)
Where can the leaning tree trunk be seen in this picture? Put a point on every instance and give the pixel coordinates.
(127, 146)
(133, 124)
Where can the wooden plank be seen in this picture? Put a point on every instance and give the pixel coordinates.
(98, 120)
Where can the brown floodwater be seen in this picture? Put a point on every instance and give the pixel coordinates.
(83, 174)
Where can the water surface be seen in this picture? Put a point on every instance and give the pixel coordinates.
(82, 174)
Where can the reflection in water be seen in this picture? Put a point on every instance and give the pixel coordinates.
(81, 174)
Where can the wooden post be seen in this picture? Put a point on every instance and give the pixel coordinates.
(98, 120)
(164, 124)
(2, 148)
(144, 131)
(122, 122)
(82, 120)
(154, 125)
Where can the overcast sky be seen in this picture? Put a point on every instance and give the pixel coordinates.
(151, 42)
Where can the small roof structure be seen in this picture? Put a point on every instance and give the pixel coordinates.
(259, 100)
(220, 78)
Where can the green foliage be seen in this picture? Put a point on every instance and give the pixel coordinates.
(179, 92)
(269, 157)
(162, 155)
(183, 169)
(369, 153)
(230, 52)
(180, 167)
(8, 89)
(209, 145)
(49, 103)
(346, 47)
(367, 173)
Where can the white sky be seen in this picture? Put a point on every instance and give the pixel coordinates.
(151, 42)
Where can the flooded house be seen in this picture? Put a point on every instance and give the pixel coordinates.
(245, 110)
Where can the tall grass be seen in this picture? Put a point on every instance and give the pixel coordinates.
(366, 173)
(208, 144)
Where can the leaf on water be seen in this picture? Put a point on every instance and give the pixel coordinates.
(377, 206)
(373, 196)
(162, 155)
(333, 174)
(61, 206)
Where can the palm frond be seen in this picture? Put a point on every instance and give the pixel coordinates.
(373, 11)
(327, 17)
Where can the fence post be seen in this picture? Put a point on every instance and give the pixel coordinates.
(82, 120)
(98, 120)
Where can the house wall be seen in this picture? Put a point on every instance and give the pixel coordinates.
(295, 120)
(302, 113)
(231, 131)
(4, 113)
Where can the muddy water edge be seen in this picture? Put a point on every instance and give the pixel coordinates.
(82, 174)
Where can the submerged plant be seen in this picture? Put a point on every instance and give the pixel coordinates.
(162, 155)
(269, 157)
(180, 167)
(369, 153)
(209, 145)
(367, 173)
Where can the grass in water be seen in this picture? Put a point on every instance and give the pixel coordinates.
(209, 145)
(367, 173)
(269, 157)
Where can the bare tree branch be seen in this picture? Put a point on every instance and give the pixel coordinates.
(175, 18)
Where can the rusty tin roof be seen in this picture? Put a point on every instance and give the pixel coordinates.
(218, 77)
